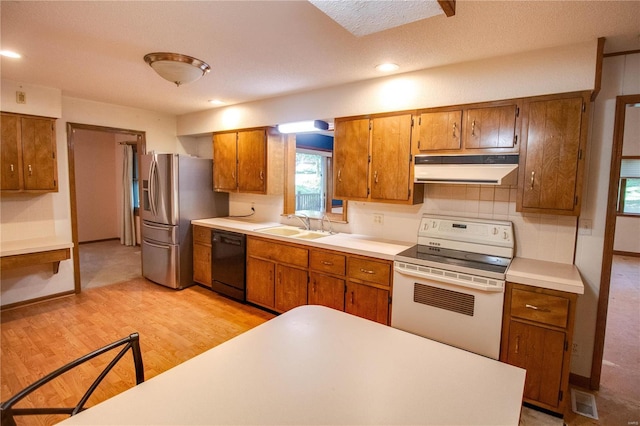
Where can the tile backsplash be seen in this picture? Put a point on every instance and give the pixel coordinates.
(538, 236)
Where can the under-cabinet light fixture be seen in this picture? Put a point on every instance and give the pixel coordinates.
(303, 126)
(10, 54)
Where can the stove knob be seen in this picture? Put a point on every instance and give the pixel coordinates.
(506, 236)
(495, 231)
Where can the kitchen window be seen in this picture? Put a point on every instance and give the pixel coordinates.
(310, 180)
(629, 186)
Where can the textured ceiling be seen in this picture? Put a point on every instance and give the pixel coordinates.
(260, 49)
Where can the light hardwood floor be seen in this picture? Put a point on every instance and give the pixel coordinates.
(174, 326)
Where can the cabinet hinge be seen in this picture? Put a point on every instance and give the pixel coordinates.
(515, 139)
(54, 183)
(411, 121)
(517, 112)
(584, 107)
(575, 201)
(420, 121)
(369, 159)
(560, 395)
(580, 154)
(53, 155)
(566, 345)
(410, 158)
(389, 299)
(370, 125)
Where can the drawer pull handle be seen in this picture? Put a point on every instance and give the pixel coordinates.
(324, 262)
(535, 308)
(473, 128)
(365, 271)
(30, 170)
(533, 179)
(12, 168)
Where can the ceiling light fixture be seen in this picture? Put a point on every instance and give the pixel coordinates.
(387, 67)
(303, 126)
(10, 54)
(177, 68)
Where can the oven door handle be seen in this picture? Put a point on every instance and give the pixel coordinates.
(454, 281)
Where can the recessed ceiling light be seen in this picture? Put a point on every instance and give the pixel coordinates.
(10, 54)
(387, 67)
(216, 102)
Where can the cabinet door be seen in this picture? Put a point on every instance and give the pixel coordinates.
(367, 302)
(440, 130)
(391, 157)
(540, 351)
(10, 153)
(261, 282)
(225, 161)
(291, 288)
(351, 159)
(551, 163)
(490, 127)
(202, 264)
(252, 161)
(39, 154)
(326, 291)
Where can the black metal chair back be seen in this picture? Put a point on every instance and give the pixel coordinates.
(8, 412)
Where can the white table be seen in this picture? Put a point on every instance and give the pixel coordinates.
(315, 365)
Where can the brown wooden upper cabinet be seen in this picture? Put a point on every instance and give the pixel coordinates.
(28, 154)
(373, 160)
(554, 135)
(250, 161)
(473, 129)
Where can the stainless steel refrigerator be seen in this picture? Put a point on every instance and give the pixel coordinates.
(175, 190)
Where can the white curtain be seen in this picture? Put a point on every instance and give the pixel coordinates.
(128, 230)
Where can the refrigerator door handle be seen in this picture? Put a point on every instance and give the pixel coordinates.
(153, 186)
(159, 228)
(158, 245)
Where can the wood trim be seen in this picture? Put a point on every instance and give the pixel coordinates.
(448, 7)
(622, 53)
(71, 128)
(580, 381)
(22, 260)
(597, 85)
(609, 236)
(626, 253)
(10, 306)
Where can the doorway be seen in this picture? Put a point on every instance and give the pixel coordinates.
(94, 176)
(611, 289)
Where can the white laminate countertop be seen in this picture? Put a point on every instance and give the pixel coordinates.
(33, 245)
(350, 243)
(551, 275)
(316, 365)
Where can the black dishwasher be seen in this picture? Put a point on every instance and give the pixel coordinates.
(228, 250)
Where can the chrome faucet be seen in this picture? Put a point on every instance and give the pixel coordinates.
(324, 216)
(302, 218)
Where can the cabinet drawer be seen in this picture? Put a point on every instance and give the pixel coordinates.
(281, 253)
(202, 234)
(369, 270)
(539, 307)
(332, 263)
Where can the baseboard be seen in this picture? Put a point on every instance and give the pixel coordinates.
(626, 253)
(99, 241)
(580, 381)
(9, 306)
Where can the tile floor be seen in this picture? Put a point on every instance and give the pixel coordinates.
(618, 400)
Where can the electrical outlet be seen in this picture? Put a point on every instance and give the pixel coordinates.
(575, 350)
(378, 218)
(21, 97)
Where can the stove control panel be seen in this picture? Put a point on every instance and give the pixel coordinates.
(454, 229)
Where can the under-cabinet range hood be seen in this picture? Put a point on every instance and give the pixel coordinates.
(466, 169)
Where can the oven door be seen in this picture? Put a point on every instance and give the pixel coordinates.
(457, 309)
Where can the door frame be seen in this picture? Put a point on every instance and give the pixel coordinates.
(141, 146)
(609, 237)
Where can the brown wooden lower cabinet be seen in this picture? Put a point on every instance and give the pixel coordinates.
(326, 290)
(282, 276)
(202, 255)
(367, 302)
(536, 335)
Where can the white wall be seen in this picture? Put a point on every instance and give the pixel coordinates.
(563, 69)
(619, 77)
(25, 216)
